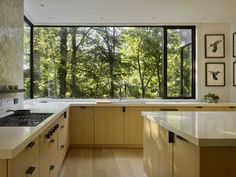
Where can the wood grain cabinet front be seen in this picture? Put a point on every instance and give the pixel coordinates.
(49, 152)
(133, 129)
(63, 138)
(109, 125)
(82, 125)
(157, 150)
(26, 162)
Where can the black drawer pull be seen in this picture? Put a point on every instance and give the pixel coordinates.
(65, 115)
(82, 107)
(51, 167)
(30, 170)
(170, 137)
(52, 141)
(232, 107)
(168, 109)
(30, 145)
(199, 107)
(181, 138)
(62, 146)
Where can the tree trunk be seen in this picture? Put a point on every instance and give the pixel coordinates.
(73, 63)
(62, 70)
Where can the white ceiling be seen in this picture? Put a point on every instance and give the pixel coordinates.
(87, 12)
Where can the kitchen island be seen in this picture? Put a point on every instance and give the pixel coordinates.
(190, 144)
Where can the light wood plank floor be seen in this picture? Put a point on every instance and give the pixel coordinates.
(103, 163)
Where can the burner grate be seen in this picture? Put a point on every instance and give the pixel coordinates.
(29, 120)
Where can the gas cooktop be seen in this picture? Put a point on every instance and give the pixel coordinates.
(29, 120)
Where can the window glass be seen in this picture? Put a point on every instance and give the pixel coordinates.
(27, 31)
(112, 62)
(179, 63)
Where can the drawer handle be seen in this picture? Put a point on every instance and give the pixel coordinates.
(83, 107)
(30, 145)
(169, 109)
(52, 141)
(62, 146)
(30, 171)
(199, 107)
(232, 107)
(51, 167)
(181, 138)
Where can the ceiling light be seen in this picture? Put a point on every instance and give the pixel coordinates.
(42, 5)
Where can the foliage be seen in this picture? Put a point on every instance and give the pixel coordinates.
(95, 62)
(211, 98)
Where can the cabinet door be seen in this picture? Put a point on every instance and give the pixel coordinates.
(48, 155)
(134, 125)
(150, 150)
(165, 153)
(82, 125)
(109, 125)
(3, 168)
(185, 158)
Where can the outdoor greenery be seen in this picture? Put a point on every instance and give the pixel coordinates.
(106, 62)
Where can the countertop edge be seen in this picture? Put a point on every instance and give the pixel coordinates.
(209, 142)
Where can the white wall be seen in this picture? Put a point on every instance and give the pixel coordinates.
(232, 88)
(213, 28)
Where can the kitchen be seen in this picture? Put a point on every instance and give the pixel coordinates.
(104, 124)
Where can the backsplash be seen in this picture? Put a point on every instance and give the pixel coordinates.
(11, 51)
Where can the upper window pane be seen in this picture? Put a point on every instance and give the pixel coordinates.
(98, 62)
(179, 63)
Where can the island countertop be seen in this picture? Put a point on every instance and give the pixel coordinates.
(199, 128)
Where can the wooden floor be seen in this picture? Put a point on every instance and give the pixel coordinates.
(103, 163)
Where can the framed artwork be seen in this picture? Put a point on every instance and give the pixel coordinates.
(215, 74)
(214, 46)
(234, 74)
(234, 44)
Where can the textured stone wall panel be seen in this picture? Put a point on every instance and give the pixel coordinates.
(11, 50)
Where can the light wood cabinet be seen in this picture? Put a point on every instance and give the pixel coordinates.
(49, 152)
(3, 168)
(185, 158)
(133, 129)
(157, 150)
(82, 125)
(63, 137)
(109, 125)
(26, 161)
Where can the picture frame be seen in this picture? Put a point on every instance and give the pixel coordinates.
(234, 74)
(214, 46)
(234, 44)
(215, 74)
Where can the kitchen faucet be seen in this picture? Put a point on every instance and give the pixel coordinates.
(123, 83)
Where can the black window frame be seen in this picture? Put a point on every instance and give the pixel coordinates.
(164, 67)
(31, 25)
(165, 42)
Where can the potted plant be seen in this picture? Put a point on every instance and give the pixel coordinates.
(211, 98)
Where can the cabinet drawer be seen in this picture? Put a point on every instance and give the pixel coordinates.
(24, 160)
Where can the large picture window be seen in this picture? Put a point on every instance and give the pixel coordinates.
(112, 62)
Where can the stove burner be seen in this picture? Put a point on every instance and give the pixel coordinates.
(29, 120)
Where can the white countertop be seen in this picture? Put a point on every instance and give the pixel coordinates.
(199, 128)
(15, 139)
